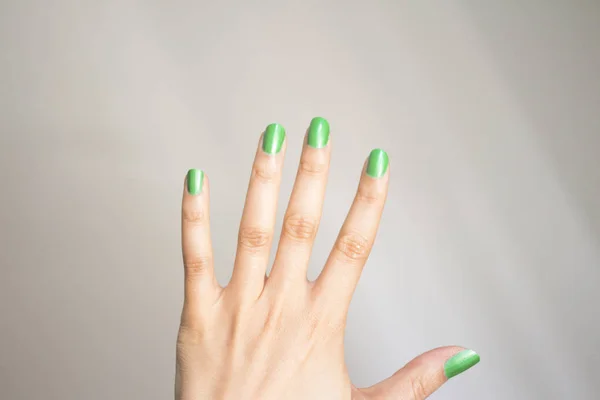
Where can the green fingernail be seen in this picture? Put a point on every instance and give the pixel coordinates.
(378, 163)
(273, 139)
(195, 178)
(460, 362)
(318, 133)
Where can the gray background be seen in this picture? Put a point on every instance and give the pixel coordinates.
(490, 112)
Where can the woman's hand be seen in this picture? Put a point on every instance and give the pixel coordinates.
(282, 337)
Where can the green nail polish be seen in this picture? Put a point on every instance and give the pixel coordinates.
(195, 178)
(318, 133)
(378, 163)
(460, 362)
(273, 139)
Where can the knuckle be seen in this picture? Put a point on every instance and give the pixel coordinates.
(194, 217)
(239, 324)
(317, 329)
(418, 389)
(324, 318)
(190, 336)
(254, 239)
(274, 321)
(299, 227)
(263, 172)
(353, 246)
(367, 196)
(311, 167)
(196, 265)
(336, 325)
(313, 323)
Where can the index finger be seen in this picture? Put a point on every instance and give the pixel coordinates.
(353, 246)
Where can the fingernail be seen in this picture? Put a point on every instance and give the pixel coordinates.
(195, 178)
(273, 139)
(378, 163)
(318, 133)
(460, 362)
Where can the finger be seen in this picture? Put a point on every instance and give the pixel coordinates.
(195, 239)
(424, 374)
(344, 265)
(258, 219)
(303, 214)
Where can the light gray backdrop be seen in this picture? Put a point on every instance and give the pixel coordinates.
(490, 112)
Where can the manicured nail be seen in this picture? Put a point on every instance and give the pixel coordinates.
(318, 133)
(273, 139)
(460, 362)
(195, 178)
(378, 163)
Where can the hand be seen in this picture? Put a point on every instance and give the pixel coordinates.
(282, 337)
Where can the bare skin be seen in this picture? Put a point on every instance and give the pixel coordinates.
(282, 336)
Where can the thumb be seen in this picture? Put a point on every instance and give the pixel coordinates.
(424, 375)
